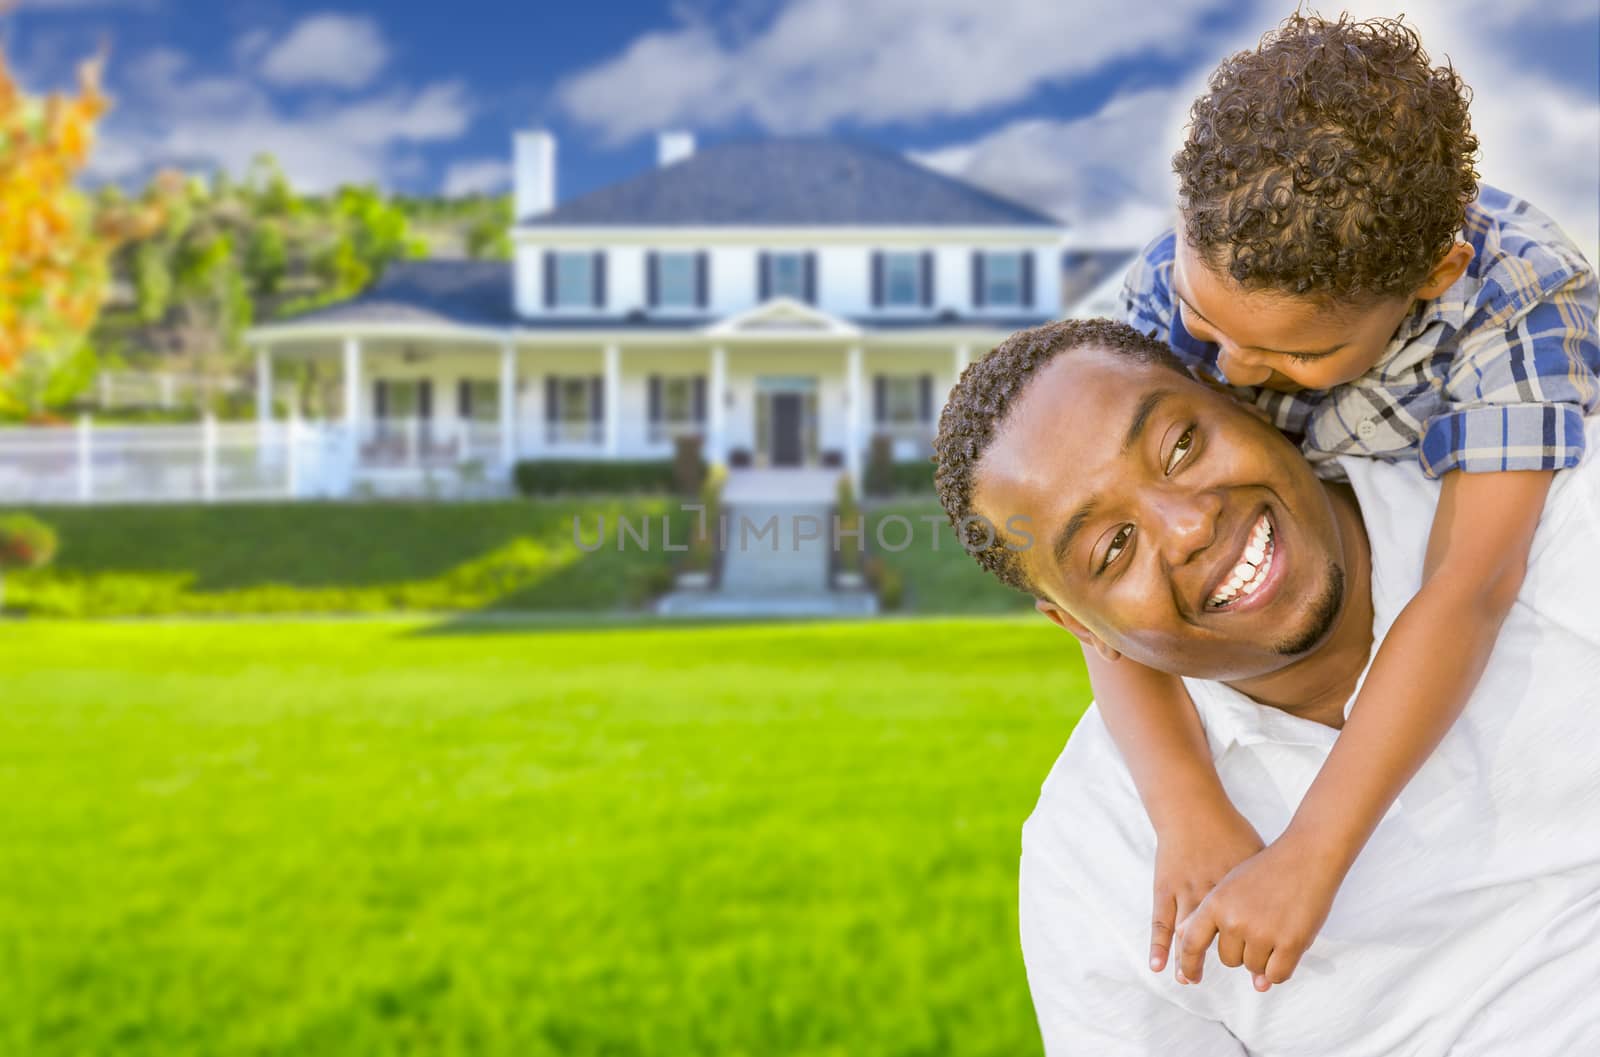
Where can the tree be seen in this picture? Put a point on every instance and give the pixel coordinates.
(489, 234)
(265, 259)
(55, 243)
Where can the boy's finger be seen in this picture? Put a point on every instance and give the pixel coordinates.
(1282, 964)
(1162, 919)
(1230, 949)
(1195, 936)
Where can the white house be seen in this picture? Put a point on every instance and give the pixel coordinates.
(785, 300)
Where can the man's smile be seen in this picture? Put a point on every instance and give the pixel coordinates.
(1250, 573)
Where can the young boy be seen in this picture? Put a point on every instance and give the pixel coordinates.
(1336, 262)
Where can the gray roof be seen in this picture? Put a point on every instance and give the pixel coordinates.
(792, 182)
(446, 292)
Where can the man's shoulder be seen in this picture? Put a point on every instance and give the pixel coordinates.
(1088, 817)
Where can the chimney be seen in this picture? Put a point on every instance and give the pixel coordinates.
(534, 166)
(673, 147)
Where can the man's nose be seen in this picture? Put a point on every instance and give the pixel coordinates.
(1185, 521)
(1238, 369)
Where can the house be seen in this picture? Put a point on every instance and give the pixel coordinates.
(783, 300)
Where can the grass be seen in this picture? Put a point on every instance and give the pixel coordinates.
(325, 557)
(392, 837)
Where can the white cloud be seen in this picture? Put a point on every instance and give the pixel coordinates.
(476, 176)
(169, 115)
(1109, 174)
(346, 51)
(821, 62)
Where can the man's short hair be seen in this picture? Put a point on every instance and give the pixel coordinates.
(1332, 161)
(977, 407)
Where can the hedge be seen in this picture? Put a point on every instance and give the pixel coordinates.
(545, 477)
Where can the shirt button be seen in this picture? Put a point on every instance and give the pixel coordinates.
(1366, 431)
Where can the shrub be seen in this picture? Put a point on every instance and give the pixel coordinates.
(25, 543)
(848, 512)
(886, 581)
(913, 478)
(688, 467)
(542, 477)
(880, 466)
(703, 546)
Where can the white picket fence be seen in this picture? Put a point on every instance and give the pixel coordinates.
(208, 461)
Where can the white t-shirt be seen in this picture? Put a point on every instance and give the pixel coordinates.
(1470, 924)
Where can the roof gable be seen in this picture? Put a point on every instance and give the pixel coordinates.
(792, 183)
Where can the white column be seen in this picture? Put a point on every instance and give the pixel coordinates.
(613, 389)
(264, 385)
(352, 400)
(85, 459)
(169, 389)
(856, 396)
(291, 452)
(962, 358)
(208, 457)
(508, 405)
(717, 407)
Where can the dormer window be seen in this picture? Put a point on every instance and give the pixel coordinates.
(788, 274)
(1002, 280)
(574, 280)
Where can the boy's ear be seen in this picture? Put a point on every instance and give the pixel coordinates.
(1446, 271)
(1066, 621)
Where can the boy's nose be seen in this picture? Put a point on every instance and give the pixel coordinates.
(1240, 371)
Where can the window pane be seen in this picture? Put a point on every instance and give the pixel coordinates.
(789, 275)
(675, 280)
(902, 400)
(574, 280)
(1002, 275)
(677, 400)
(574, 400)
(902, 279)
(485, 400)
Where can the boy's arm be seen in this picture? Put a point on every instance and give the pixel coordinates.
(1199, 834)
(1266, 913)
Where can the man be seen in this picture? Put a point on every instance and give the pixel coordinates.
(1090, 470)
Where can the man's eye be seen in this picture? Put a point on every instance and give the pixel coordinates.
(1118, 543)
(1180, 450)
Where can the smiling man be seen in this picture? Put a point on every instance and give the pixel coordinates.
(1176, 528)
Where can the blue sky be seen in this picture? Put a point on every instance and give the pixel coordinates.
(1071, 105)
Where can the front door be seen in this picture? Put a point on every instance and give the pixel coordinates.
(787, 449)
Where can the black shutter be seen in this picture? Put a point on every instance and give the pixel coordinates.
(463, 399)
(811, 279)
(1027, 280)
(549, 278)
(977, 278)
(927, 279)
(552, 397)
(763, 276)
(925, 398)
(425, 399)
(597, 398)
(599, 290)
(702, 279)
(877, 278)
(880, 398)
(652, 279)
(700, 398)
(655, 399)
(380, 399)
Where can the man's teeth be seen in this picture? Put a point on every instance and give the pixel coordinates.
(1252, 569)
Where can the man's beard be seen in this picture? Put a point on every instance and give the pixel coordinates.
(1324, 615)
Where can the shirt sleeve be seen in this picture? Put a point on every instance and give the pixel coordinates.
(1517, 395)
(1147, 290)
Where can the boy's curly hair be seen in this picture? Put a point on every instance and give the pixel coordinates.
(1333, 160)
(987, 390)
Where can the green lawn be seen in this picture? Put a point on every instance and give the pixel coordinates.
(346, 557)
(396, 837)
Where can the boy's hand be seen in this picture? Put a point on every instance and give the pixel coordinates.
(1263, 915)
(1192, 854)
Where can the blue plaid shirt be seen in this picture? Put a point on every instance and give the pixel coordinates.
(1495, 374)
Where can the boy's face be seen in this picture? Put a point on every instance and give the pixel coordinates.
(1280, 341)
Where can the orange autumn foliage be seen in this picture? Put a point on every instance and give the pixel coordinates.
(54, 246)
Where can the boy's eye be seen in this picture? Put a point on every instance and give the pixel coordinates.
(1180, 449)
(1119, 543)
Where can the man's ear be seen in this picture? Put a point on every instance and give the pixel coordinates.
(1445, 272)
(1062, 619)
